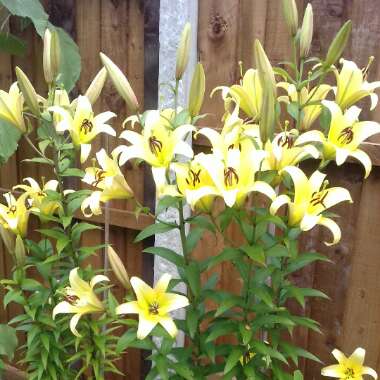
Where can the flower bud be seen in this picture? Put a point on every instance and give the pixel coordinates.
(306, 36)
(291, 15)
(118, 268)
(20, 252)
(338, 45)
(197, 90)
(28, 91)
(96, 86)
(264, 67)
(8, 239)
(121, 83)
(51, 55)
(183, 52)
(267, 113)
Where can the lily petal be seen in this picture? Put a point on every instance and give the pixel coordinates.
(145, 327)
(73, 324)
(364, 160)
(333, 227)
(128, 308)
(278, 203)
(332, 371)
(168, 324)
(98, 278)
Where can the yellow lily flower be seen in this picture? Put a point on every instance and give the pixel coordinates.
(153, 306)
(285, 151)
(109, 179)
(248, 95)
(349, 368)
(15, 215)
(80, 299)
(37, 195)
(157, 144)
(11, 107)
(352, 85)
(311, 199)
(193, 181)
(234, 135)
(345, 135)
(234, 178)
(83, 125)
(312, 111)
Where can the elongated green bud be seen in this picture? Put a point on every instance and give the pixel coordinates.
(264, 67)
(20, 252)
(183, 52)
(8, 239)
(51, 55)
(307, 29)
(291, 15)
(121, 83)
(96, 85)
(118, 268)
(197, 90)
(28, 91)
(338, 45)
(268, 116)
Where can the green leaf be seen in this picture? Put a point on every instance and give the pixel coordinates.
(70, 66)
(153, 229)
(297, 375)
(228, 254)
(30, 285)
(167, 254)
(202, 222)
(8, 341)
(162, 367)
(265, 349)
(193, 276)
(277, 250)
(165, 202)
(304, 259)
(221, 328)
(11, 44)
(193, 238)
(232, 359)
(13, 296)
(79, 228)
(192, 318)
(182, 370)
(73, 172)
(9, 137)
(31, 9)
(255, 252)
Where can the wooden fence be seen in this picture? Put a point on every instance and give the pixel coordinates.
(226, 31)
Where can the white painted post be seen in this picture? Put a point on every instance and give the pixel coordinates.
(173, 17)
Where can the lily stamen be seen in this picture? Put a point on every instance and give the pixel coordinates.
(349, 373)
(154, 308)
(155, 145)
(86, 126)
(99, 177)
(365, 70)
(230, 175)
(193, 177)
(346, 136)
(319, 198)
